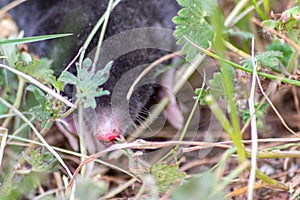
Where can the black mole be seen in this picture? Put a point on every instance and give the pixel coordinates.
(39, 17)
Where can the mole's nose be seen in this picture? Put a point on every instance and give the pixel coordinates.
(108, 137)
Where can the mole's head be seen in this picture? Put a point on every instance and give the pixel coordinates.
(115, 114)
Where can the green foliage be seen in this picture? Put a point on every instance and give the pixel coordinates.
(87, 83)
(37, 68)
(217, 86)
(203, 92)
(48, 108)
(41, 160)
(22, 186)
(266, 60)
(203, 187)
(89, 189)
(285, 49)
(191, 23)
(166, 175)
(288, 22)
(260, 113)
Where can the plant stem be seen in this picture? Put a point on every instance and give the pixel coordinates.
(17, 101)
(93, 32)
(101, 37)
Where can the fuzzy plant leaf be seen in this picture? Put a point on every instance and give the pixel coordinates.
(285, 49)
(41, 160)
(217, 86)
(48, 108)
(37, 68)
(89, 189)
(88, 82)
(288, 23)
(266, 60)
(191, 23)
(203, 187)
(166, 175)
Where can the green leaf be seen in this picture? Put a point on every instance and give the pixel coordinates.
(285, 49)
(260, 113)
(41, 160)
(239, 33)
(38, 94)
(266, 60)
(68, 78)
(191, 23)
(89, 189)
(217, 89)
(166, 175)
(58, 85)
(87, 83)
(39, 69)
(48, 109)
(87, 63)
(204, 92)
(203, 187)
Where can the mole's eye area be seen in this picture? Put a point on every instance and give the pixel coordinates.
(108, 137)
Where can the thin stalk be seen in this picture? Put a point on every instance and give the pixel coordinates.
(83, 150)
(38, 84)
(267, 7)
(236, 138)
(254, 137)
(291, 64)
(235, 12)
(93, 33)
(185, 128)
(259, 10)
(17, 101)
(103, 30)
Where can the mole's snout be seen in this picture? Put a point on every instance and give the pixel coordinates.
(108, 137)
(108, 128)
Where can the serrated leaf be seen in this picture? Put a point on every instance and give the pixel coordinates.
(40, 160)
(285, 49)
(191, 23)
(166, 175)
(267, 60)
(39, 69)
(87, 83)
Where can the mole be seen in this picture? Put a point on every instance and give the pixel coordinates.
(138, 33)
